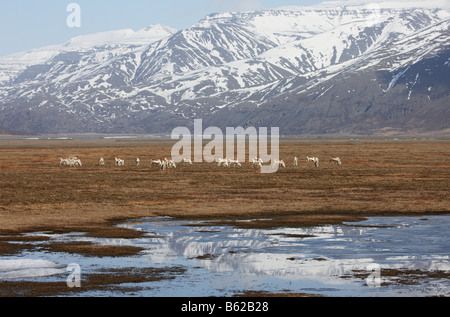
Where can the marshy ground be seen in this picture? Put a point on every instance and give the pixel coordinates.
(377, 178)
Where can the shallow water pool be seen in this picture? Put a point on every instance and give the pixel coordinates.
(335, 260)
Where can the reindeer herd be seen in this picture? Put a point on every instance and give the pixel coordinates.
(164, 164)
(70, 161)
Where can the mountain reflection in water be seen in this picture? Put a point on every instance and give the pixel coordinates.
(292, 258)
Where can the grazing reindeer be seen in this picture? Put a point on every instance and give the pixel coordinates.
(336, 160)
(156, 162)
(64, 162)
(165, 164)
(279, 163)
(257, 162)
(234, 163)
(120, 162)
(222, 162)
(71, 161)
(77, 163)
(315, 160)
(171, 163)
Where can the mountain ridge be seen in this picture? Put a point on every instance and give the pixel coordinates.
(246, 68)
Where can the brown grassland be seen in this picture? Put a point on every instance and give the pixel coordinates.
(377, 178)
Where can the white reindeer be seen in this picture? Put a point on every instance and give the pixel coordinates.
(166, 163)
(71, 161)
(120, 162)
(279, 163)
(234, 163)
(257, 162)
(101, 162)
(138, 161)
(77, 163)
(336, 160)
(156, 162)
(63, 162)
(222, 162)
(171, 163)
(315, 160)
(295, 161)
(187, 160)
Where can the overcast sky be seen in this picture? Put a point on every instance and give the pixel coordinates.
(28, 24)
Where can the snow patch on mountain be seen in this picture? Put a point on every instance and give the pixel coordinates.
(225, 62)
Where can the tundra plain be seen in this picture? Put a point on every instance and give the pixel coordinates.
(377, 178)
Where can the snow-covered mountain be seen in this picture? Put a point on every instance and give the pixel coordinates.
(331, 68)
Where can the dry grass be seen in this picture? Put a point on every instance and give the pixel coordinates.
(261, 294)
(109, 280)
(378, 178)
(395, 277)
(89, 249)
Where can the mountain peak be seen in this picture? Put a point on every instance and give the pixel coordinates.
(306, 69)
(364, 4)
(147, 35)
(160, 28)
(98, 39)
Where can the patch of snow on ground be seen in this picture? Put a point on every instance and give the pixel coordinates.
(28, 268)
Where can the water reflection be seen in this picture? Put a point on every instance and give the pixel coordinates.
(321, 254)
(224, 260)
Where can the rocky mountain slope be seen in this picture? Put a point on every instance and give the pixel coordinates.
(309, 70)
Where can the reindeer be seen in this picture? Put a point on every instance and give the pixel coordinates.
(336, 160)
